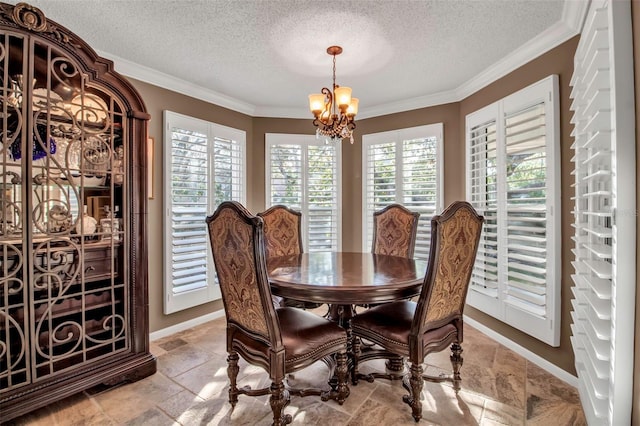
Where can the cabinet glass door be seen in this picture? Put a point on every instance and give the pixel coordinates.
(63, 292)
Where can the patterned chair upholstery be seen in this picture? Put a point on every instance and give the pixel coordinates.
(283, 237)
(281, 340)
(415, 329)
(394, 231)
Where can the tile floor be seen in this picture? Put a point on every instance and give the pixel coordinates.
(190, 388)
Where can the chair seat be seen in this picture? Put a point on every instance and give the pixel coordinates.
(306, 337)
(389, 325)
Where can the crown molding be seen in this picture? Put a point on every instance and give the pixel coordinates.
(545, 41)
(573, 16)
(574, 13)
(169, 82)
(418, 102)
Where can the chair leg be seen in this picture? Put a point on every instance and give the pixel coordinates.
(232, 372)
(343, 376)
(456, 363)
(356, 352)
(278, 401)
(415, 389)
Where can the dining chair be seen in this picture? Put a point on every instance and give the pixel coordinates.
(282, 340)
(394, 231)
(415, 329)
(283, 237)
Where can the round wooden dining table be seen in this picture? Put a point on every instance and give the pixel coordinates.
(345, 278)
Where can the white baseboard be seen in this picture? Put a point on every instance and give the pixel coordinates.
(526, 353)
(185, 325)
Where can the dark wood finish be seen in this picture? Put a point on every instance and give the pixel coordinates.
(104, 263)
(282, 340)
(345, 278)
(435, 322)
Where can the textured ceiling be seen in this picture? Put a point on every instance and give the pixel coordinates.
(265, 57)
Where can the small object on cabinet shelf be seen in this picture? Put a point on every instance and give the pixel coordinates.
(118, 166)
(86, 224)
(106, 225)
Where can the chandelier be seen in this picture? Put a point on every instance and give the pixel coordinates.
(334, 110)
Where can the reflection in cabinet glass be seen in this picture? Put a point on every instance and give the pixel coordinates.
(73, 288)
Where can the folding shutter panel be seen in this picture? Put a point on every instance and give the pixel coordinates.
(526, 173)
(286, 175)
(483, 195)
(381, 169)
(322, 197)
(420, 192)
(189, 193)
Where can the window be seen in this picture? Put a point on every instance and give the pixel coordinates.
(513, 177)
(404, 167)
(204, 164)
(303, 173)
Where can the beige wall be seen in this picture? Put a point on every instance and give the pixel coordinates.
(635, 17)
(157, 100)
(558, 61)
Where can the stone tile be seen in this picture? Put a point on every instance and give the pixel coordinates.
(499, 387)
(182, 359)
(180, 403)
(374, 412)
(156, 350)
(128, 402)
(170, 345)
(496, 413)
(40, 417)
(153, 417)
(79, 410)
(542, 412)
(208, 380)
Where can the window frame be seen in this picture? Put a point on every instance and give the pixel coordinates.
(305, 141)
(398, 136)
(174, 302)
(545, 328)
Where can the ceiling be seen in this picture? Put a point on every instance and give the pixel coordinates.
(263, 57)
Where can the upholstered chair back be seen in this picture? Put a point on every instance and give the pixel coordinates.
(394, 231)
(236, 242)
(454, 244)
(282, 231)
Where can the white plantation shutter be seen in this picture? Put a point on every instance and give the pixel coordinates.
(303, 173)
(526, 209)
(605, 216)
(204, 165)
(483, 182)
(513, 180)
(403, 167)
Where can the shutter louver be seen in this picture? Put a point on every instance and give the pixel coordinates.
(513, 181)
(286, 175)
(204, 165)
(403, 167)
(484, 198)
(604, 267)
(525, 143)
(322, 188)
(420, 187)
(303, 174)
(189, 194)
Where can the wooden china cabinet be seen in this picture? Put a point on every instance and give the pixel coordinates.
(73, 251)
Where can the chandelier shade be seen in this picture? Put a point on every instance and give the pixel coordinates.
(334, 110)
